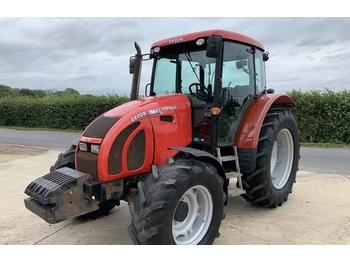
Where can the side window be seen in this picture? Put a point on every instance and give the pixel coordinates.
(259, 71)
(165, 76)
(237, 73)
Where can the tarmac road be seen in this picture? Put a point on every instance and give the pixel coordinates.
(333, 160)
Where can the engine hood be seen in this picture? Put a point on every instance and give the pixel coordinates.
(148, 103)
(140, 131)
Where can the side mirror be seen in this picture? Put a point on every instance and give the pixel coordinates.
(265, 56)
(214, 46)
(270, 91)
(132, 60)
(132, 64)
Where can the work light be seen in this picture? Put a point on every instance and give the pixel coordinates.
(83, 146)
(95, 148)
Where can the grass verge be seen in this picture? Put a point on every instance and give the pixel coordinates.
(21, 128)
(325, 145)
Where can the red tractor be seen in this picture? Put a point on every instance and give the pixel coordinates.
(207, 128)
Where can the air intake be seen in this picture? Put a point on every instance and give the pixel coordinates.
(136, 151)
(115, 155)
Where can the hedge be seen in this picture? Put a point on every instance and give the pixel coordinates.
(64, 112)
(323, 116)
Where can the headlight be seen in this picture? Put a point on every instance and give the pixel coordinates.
(200, 41)
(83, 146)
(95, 148)
(156, 49)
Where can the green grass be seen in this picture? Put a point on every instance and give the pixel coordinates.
(325, 145)
(21, 128)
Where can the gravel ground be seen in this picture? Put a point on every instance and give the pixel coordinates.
(318, 211)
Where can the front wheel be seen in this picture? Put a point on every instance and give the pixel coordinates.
(183, 205)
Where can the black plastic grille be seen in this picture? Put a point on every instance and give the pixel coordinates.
(100, 126)
(136, 152)
(115, 155)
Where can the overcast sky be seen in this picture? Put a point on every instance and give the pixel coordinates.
(92, 54)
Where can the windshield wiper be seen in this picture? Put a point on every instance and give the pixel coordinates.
(189, 59)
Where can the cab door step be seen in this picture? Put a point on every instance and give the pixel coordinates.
(230, 175)
(235, 191)
(228, 158)
(234, 177)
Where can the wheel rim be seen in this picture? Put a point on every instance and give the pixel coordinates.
(282, 157)
(192, 216)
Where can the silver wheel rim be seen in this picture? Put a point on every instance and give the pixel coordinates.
(190, 227)
(282, 157)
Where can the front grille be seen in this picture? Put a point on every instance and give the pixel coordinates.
(87, 163)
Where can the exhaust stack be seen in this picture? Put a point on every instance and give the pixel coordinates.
(135, 69)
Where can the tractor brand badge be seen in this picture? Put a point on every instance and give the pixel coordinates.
(176, 40)
(152, 112)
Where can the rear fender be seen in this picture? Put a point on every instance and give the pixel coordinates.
(249, 131)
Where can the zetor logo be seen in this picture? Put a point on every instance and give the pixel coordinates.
(176, 40)
(152, 112)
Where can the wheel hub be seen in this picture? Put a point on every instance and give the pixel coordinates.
(282, 157)
(192, 216)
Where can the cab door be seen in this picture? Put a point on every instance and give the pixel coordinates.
(238, 88)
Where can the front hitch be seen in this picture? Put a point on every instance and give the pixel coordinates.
(60, 195)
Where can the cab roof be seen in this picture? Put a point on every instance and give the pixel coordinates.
(193, 36)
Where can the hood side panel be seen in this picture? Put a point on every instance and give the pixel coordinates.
(172, 127)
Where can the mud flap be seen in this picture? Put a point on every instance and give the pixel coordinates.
(60, 195)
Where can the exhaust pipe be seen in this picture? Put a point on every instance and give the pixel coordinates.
(135, 64)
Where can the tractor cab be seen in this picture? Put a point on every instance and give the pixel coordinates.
(220, 72)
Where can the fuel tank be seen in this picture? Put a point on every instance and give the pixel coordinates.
(128, 139)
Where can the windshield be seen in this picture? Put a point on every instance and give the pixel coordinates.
(189, 72)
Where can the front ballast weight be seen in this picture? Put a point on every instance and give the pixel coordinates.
(66, 193)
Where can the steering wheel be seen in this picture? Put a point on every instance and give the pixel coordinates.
(202, 92)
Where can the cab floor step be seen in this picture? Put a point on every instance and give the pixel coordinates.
(235, 191)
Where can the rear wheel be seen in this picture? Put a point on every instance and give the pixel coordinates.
(182, 205)
(66, 159)
(277, 160)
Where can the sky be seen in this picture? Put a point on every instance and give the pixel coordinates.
(92, 54)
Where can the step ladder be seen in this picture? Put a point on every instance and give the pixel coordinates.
(234, 189)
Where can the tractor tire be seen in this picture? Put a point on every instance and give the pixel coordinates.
(277, 160)
(182, 204)
(66, 159)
